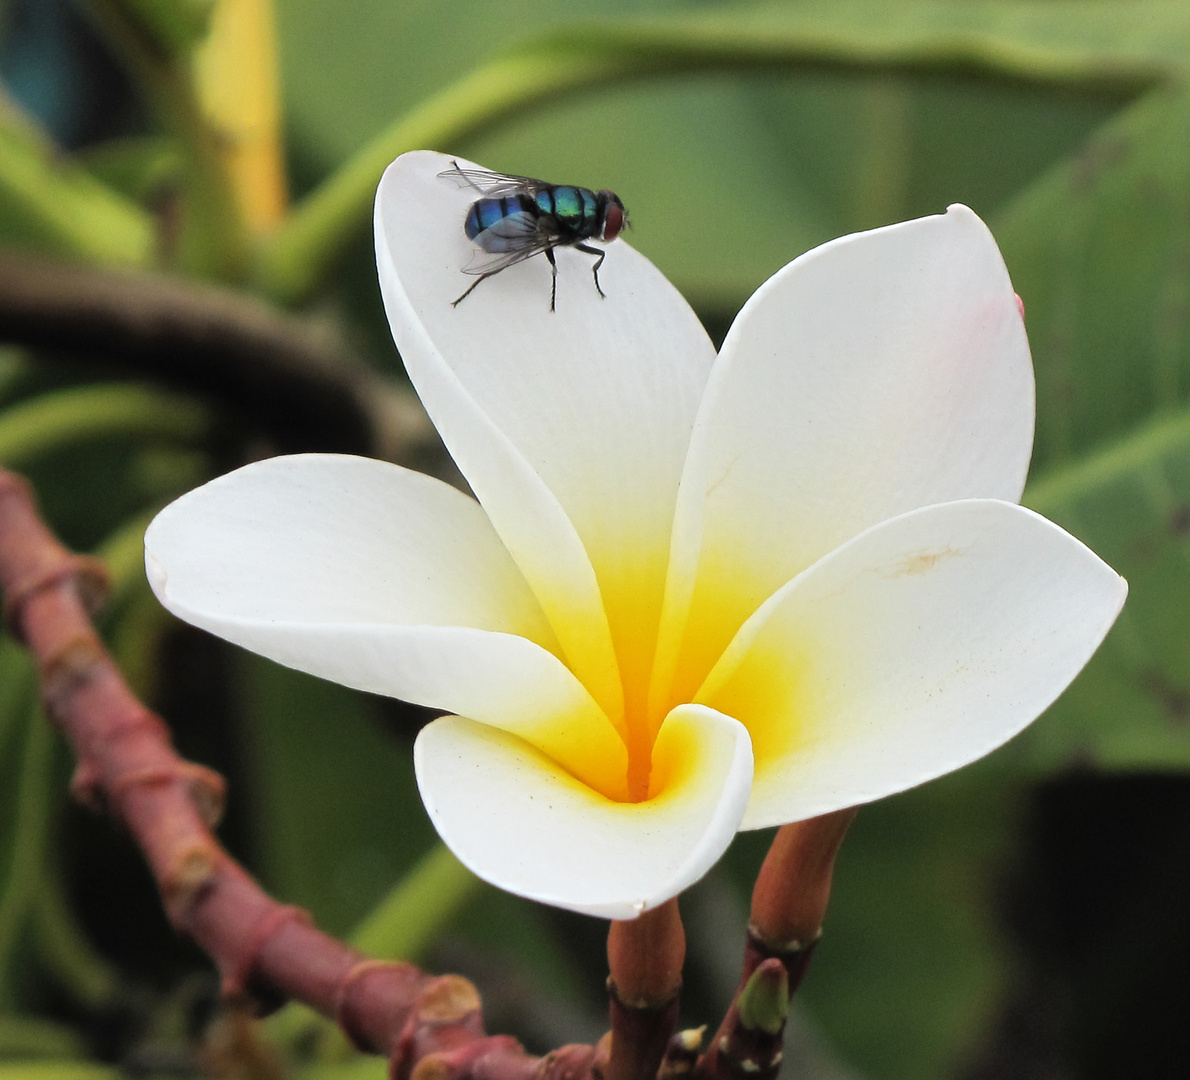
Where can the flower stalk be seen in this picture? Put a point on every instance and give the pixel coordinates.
(645, 958)
(794, 885)
(789, 902)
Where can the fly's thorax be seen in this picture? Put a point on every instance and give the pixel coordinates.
(575, 210)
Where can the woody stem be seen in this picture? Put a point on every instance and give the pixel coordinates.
(645, 958)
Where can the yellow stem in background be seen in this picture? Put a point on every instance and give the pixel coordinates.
(236, 76)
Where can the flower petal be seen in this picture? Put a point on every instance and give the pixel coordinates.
(570, 426)
(382, 579)
(919, 646)
(876, 374)
(518, 821)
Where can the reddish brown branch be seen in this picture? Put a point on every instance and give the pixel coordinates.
(430, 1028)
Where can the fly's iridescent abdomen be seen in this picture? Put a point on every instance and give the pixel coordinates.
(519, 217)
(499, 224)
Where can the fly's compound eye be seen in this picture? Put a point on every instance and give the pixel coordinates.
(613, 216)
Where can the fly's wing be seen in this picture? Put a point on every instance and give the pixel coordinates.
(485, 263)
(492, 184)
(510, 240)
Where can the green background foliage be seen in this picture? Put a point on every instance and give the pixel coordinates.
(739, 135)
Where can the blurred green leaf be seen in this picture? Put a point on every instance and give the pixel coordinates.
(334, 803)
(123, 553)
(26, 1037)
(1131, 707)
(12, 367)
(1089, 49)
(141, 168)
(69, 956)
(405, 923)
(502, 931)
(52, 420)
(57, 1070)
(210, 239)
(361, 1068)
(17, 700)
(1100, 250)
(16, 686)
(178, 25)
(351, 68)
(50, 203)
(25, 857)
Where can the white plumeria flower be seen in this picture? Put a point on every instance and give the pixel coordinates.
(696, 593)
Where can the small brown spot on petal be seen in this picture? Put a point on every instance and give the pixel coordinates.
(920, 563)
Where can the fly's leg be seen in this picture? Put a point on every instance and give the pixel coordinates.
(473, 285)
(549, 254)
(598, 263)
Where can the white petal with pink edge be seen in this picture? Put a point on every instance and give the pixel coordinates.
(879, 373)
